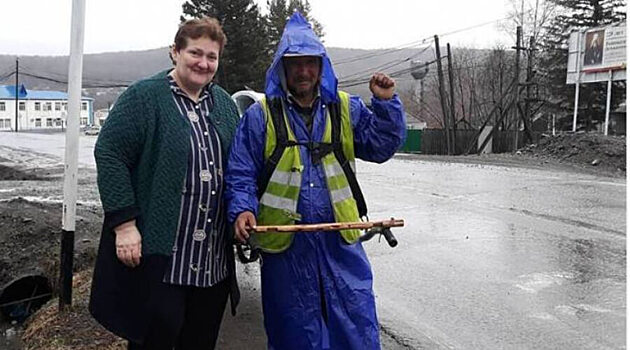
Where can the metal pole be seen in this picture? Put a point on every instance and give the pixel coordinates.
(441, 88)
(75, 69)
(608, 98)
(577, 81)
(452, 94)
(17, 92)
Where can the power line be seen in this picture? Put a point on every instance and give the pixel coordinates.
(62, 79)
(395, 74)
(417, 42)
(86, 84)
(384, 66)
(6, 70)
(476, 26)
(379, 53)
(7, 74)
(463, 65)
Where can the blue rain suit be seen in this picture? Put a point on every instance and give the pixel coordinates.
(318, 293)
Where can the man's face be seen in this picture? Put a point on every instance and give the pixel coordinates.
(302, 73)
(595, 41)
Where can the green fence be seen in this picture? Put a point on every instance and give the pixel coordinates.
(433, 141)
(413, 142)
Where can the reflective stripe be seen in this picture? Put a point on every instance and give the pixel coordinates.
(353, 166)
(341, 194)
(333, 169)
(288, 178)
(277, 202)
(278, 205)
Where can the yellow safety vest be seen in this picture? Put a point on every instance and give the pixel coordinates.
(278, 204)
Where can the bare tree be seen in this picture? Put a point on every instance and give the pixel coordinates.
(534, 16)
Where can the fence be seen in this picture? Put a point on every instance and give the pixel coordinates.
(433, 141)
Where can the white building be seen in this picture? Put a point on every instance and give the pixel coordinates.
(39, 109)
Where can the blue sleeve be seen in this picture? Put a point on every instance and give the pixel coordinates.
(379, 134)
(245, 162)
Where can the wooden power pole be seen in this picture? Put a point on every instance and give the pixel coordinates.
(517, 72)
(452, 99)
(441, 88)
(527, 117)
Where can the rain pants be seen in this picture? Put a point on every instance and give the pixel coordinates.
(317, 294)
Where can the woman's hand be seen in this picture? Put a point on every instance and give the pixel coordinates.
(128, 243)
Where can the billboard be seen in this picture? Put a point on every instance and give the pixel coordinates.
(595, 52)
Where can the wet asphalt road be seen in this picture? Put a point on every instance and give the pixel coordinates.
(491, 257)
(498, 257)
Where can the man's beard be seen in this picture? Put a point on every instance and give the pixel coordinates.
(301, 93)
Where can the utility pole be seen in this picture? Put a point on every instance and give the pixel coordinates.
(528, 89)
(17, 91)
(517, 71)
(452, 94)
(441, 87)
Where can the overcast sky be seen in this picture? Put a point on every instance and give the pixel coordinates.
(42, 27)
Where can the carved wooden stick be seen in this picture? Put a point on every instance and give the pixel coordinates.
(336, 226)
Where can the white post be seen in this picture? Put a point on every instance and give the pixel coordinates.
(75, 70)
(577, 80)
(553, 124)
(608, 98)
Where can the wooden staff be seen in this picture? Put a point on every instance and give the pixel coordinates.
(335, 226)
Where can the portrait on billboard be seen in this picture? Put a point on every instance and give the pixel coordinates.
(594, 49)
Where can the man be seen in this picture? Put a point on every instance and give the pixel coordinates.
(594, 48)
(165, 265)
(292, 162)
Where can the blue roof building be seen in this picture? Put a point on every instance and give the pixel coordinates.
(39, 108)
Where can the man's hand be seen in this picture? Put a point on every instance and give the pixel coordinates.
(244, 221)
(128, 243)
(382, 86)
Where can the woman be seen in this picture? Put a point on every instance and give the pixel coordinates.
(165, 265)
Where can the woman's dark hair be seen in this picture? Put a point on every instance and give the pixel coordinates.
(207, 27)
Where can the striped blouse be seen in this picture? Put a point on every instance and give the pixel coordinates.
(199, 254)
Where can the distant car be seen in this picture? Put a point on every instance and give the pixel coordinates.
(92, 130)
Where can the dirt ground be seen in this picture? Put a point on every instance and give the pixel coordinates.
(595, 152)
(580, 152)
(30, 215)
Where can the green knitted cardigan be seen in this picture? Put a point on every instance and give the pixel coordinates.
(142, 156)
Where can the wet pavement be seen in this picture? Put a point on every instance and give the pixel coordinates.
(491, 257)
(498, 257)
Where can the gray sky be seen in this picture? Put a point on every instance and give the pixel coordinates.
(42, 27)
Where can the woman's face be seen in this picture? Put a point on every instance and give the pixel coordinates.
(196, 64)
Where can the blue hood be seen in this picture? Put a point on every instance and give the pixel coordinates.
(298, 38)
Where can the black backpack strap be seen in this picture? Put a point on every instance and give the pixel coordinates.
(318, 150)
(335, 117)
(276, 110)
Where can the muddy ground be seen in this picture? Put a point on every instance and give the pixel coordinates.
(30, 226)
(594, 152)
